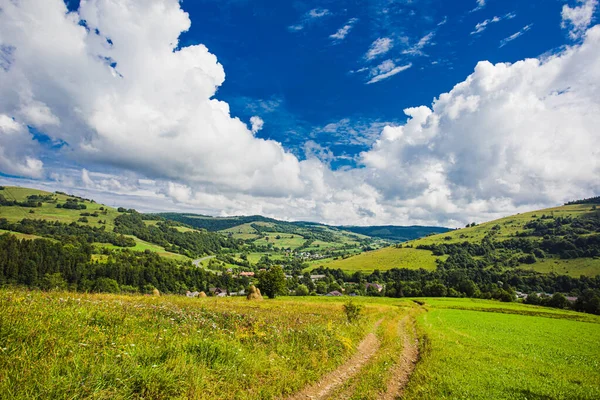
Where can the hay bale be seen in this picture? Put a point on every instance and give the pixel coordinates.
(155, 292)
(254, 293)
(202, 294)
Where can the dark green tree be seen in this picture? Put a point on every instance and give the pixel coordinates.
(272, 282)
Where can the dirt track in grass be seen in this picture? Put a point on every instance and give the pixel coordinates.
(322, 389)
(410, 354)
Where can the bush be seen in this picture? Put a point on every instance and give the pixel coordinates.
(106, 285)
(353, 311)
(54, 282)
(302, 290)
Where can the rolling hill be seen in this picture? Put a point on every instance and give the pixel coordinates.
(561, 240)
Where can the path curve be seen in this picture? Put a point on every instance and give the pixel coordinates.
(410, 354)
(197, 261)
(322, 389)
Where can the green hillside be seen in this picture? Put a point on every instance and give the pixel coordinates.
(555, 229)
(31, 213)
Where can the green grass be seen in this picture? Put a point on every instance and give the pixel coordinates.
(286, 240)
(49, 212)
(509, 226)
(20, 235)
(575, 267)
(383, 260)
(504, 354)
(71, 345)
(68, 345)
(141, 245)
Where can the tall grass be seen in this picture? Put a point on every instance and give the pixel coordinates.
(65, 345)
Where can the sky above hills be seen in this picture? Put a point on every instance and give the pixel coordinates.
(343, 112)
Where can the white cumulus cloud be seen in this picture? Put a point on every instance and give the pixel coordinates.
(129, 100)
(256, 123)
(578, 19)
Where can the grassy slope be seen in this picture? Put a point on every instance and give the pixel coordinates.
(384, 259)
(510, 352)
(141, 245)
(49, 212)
(392, 257)
(20, 235)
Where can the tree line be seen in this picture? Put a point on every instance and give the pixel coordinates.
(46, 264)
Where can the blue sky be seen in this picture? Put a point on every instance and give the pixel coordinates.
(344, 112)
(299, 81)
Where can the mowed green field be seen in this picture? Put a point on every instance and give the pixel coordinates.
(20, 235)
(281, 240)
(383, 260)
(505, 352)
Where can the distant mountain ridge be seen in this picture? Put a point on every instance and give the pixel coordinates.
(396, 233)
(387, 232)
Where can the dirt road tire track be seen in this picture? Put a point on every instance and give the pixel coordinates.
(322, 389)
(410, 354)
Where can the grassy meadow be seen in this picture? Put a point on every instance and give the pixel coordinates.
(71, 345)
(49, 212)
(383, 260)
(507, 352)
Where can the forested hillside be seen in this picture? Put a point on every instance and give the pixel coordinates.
(396, 233)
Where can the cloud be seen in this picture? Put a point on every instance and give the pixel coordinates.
(386, 70)
(417, 48)
(308, 18)
(347, 132)
(256, 123)
(514, 36)
(481, 26)
(379, 47)
(159, 106)
(344, 30)
(508, 135)
(578, 19)
(318, 12)
(18, 149)
(480, 5)
(130, 101)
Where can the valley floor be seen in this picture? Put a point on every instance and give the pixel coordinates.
(72, 345)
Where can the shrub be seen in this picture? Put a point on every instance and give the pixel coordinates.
(54, 282)
(353, 311)
(302, 290)
(106, 285)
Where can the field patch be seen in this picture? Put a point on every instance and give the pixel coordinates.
(496, 355)
(383, 260)
(573, 267)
